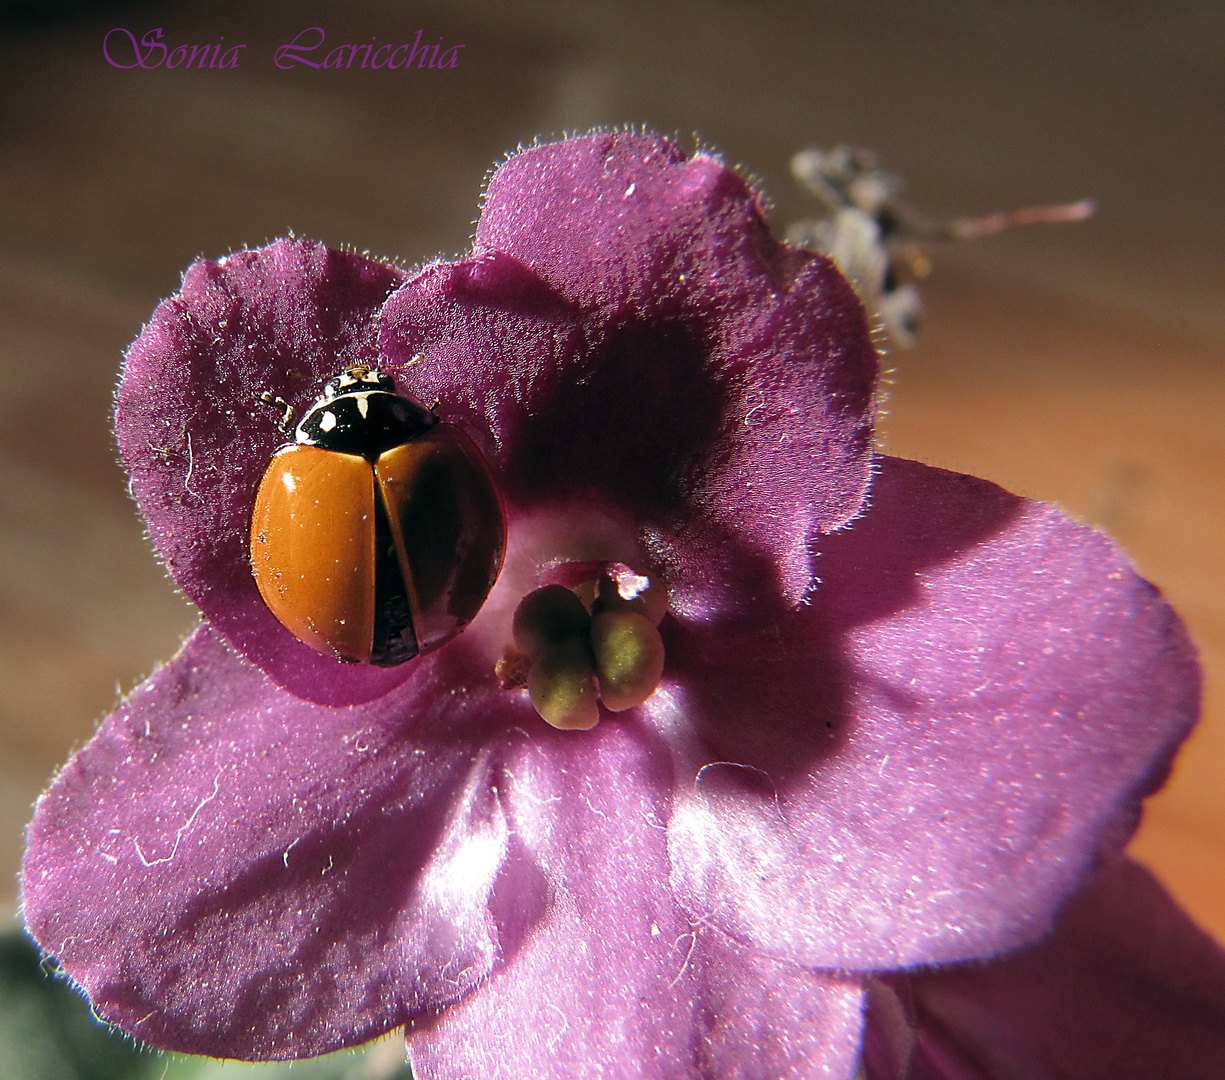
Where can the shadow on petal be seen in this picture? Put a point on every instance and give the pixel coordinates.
(777, 697)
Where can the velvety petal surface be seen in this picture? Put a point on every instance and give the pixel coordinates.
(601, 974)
(226, 870)
(229, 870)
(196, 440)
(733, 378)
(1125, 988)
(926, 762)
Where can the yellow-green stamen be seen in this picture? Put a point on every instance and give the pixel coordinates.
(548, 617)
(577, 649)
(562, 684)
(629, 658)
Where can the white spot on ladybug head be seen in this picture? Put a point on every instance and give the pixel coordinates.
(327, 421)
(363, 404)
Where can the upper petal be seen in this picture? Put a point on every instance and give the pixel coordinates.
(628, 326)
(923, 765)
(228, 870)
(196, 440)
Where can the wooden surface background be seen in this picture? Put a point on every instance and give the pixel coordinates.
(1081, 364)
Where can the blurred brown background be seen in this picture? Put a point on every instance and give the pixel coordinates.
(1081, 364)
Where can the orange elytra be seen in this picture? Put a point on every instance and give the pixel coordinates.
(378, 532)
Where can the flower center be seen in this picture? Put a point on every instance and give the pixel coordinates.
(577, 649)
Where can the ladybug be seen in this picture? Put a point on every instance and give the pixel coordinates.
(378, 532)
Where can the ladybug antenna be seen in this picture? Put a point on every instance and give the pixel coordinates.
(276, 402)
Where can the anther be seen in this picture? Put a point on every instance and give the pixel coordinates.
(577, 649)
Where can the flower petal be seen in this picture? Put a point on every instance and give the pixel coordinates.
(923, 765)
(611, 979)
(737, 373)
(1126, 987)
(504, 354)
(228, 870)
(196, 441)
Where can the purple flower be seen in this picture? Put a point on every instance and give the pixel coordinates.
(904, 715)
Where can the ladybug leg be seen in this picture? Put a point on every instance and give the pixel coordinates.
(277, 402)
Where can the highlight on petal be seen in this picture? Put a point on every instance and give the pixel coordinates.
(941, 747)
(1126, 987)
(609, 977)
(196, 440)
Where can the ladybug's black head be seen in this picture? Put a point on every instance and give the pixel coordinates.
(356, 380)
(361, 413)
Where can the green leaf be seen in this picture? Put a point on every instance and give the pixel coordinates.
(47, 1031)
